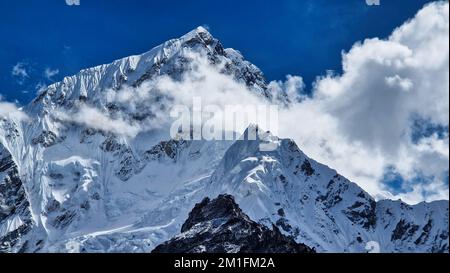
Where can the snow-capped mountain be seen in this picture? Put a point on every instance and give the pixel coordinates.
(169, 58)
(69, 187)
(319, 207)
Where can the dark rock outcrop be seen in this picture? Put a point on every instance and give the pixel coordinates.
(220, 226)
(14, 206)
(46, 139)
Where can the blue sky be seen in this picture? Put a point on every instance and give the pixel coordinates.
(303, 38)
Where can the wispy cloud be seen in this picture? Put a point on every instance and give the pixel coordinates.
(92, 117)
(10, 110)
(50, 73)
(20, 71)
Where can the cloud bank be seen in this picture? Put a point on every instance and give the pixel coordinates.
(156, 98)
(94, 118)
(360, 122)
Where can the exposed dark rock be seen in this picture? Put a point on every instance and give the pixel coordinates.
(403, 230)
(85, 205)
(282, 179)
(10, 129)
(111, 144)
(363, 213)
(52, 206)
(333, 194)
(284, 224)
(13, 203)
(169, 149)
(220, 226)
(306, 168)
(425, 232)
(441, 243)
(64, 219)
(95, 196)
(57, 176)
(87, 134)
(46, 139)
(128, 163)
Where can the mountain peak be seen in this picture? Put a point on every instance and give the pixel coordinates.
(200, 36)
(168, 58)
(198, 31)
(220, 226)
(223, 206)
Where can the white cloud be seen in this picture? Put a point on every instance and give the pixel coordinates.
(399, 83)
(360, 122)
(292, 88)
(20, 71)
(10, 110)
(50, 73)
(202, 80)
(92, 117)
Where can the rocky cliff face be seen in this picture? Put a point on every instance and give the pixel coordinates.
(15, 216)
(220, 226)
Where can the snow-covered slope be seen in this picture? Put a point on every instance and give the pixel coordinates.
(318, 206)
(67, 187)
